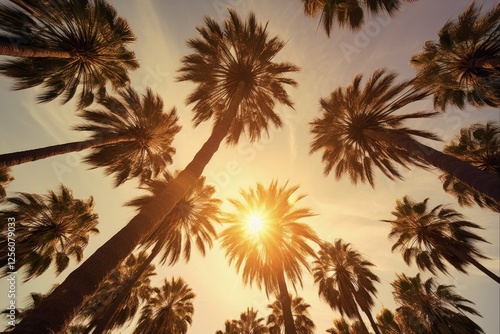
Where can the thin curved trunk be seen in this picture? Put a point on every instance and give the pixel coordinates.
(286, 304)
(21, 157)
(483, 182)
(107, 318)
(16, 50)
(475, 263)
(372, 322)
(361, 321)
(57, 309)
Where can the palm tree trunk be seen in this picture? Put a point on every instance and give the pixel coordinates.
(372, 322)
(361, 321)
(56, 310)
(21, 157)
(286, 304)
(475, 263)
(483, 182)
(108, 317)
(15, 50)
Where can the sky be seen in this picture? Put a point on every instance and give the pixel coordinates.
(343, 210)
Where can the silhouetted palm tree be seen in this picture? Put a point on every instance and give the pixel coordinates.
(387, 322)
(169, 311)
(248, 323)
(277, 251)
(359, 130)
(464, 64)
(5, 179)
(50, 229)
(105, 306)
(238, 81)
(62, 45)
(431, 308)
(131, 137)
(349, 14)
(479, 145)
(301, 317)
(345, 280)
(430, 237)
(188, 224)
(341, 326)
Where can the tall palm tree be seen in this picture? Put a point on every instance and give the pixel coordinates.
(349, 14)
(248, 323)
(301, 318)
(5, 179)
(169, 310)
(276, 252)
(238, 80)
(359, 130)
(62, 45)
(131, 136)
(431, 308)
(345, 281)
(188, 224)
(479, 145)
(104, 306)
(430, 237)
(50, 229)
(463, 65)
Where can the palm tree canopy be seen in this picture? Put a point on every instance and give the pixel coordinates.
(387, 322)
(344, 278)
(301, 317)
(431, 236)
(341, 326)
(95, 37)
(96, 306)
(463, 65)
(434, 308)
(148, 132)
(348, 113)
(349, 14)
(225, 56)
(249, 322)
(281, 244)
(189, 223)
(169, 311)
(50, 229)
(479, 145)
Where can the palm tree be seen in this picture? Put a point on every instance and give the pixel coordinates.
(105, 306)
(464, 63)
(50, 229)
(5, 179)
(431, 308)
(479, 145)
(345, 281)
(341, 326)
(188, 224)
(359, 130)
(302, 321)
(238, 81)
(274, 253)
(248, 323)
(432, 236)
(169, 310)
(350, 14)
(63, 45)
(131, 137)
(387, 322)
(230, 327)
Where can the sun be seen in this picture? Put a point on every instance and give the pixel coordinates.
(255, 223)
